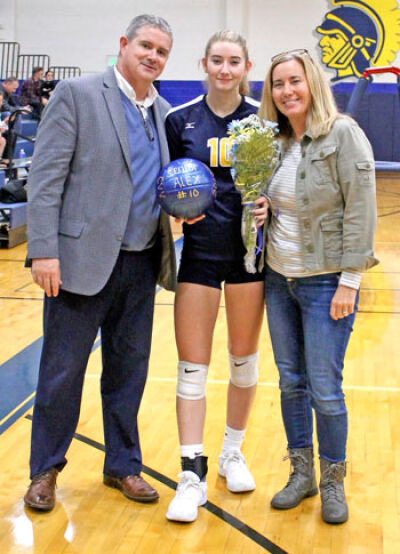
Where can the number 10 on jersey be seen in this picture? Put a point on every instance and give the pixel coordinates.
(220, 151)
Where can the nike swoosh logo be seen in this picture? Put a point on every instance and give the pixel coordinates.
(190, 370)
(238, 365)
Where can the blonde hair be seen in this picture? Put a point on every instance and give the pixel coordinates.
(323, 111)
(231, 36)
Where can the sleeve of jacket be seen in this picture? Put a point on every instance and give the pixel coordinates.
(356, 174)
(54, 149)
(6, 106)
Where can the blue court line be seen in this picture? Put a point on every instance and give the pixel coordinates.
(19, 375)
(18, 380)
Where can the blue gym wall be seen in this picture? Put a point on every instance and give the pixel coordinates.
(378, 114)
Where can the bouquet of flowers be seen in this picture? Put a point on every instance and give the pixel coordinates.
(254, 156)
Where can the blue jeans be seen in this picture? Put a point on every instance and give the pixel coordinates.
(309, 348)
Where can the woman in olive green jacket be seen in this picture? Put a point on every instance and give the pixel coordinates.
(320, 239)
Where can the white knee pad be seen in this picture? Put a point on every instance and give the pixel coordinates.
(244, 370)
(192, 380)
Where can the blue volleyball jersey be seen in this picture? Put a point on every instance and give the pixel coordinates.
(194, 131)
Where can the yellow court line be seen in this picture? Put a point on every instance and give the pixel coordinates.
(264, 384)
(17, 408)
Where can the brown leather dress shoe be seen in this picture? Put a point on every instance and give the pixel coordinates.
(41, 493)
(133, 487)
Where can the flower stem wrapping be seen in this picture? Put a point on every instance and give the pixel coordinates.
(254, 156)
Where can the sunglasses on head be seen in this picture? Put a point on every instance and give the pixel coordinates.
(298, 51)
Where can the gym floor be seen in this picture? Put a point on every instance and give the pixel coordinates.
(90, 517)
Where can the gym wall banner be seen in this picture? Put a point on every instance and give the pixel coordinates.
(357, 34)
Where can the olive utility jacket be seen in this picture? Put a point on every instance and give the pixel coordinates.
(336, 199)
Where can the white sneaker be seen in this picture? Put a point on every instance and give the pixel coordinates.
(190, 494)
(233, 467)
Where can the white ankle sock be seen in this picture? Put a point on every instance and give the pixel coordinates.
(233, 439)
(191, 450)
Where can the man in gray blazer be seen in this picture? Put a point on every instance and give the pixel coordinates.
(99, 244)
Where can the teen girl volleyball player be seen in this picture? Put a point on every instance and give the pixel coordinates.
(213, 254)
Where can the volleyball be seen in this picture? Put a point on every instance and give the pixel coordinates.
(186, 188)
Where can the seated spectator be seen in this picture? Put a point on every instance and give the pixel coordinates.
(10, 102)
(11, 117)
(47, 87)
(30, 92)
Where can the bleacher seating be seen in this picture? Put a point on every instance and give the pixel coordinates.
(12, 220)
(26, 133)
(29, 127)
(13, 215)
(25, 145)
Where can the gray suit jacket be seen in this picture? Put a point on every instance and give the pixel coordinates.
(80, 184)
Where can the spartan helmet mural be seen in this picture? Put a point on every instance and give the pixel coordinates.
(349, 41)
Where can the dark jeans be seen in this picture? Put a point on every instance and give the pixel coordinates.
(309, 348)
(123, 310)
